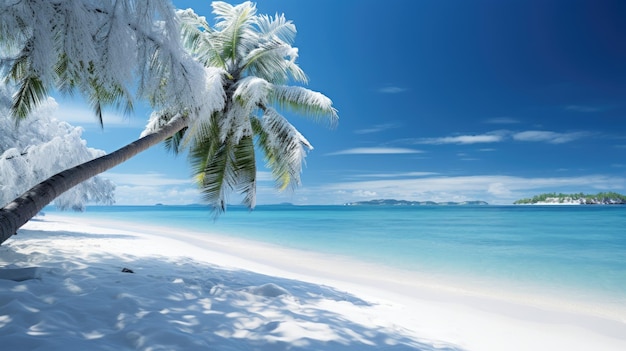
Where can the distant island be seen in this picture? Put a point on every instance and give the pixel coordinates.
(609, 198)
(392, 202)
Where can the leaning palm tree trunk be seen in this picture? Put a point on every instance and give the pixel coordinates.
(21, 210)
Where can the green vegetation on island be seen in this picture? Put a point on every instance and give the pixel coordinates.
(607, 198)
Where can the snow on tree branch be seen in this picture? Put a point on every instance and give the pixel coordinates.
(42, 146)
(101, 49)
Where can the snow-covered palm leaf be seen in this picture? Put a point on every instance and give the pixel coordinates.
(276, 28)
(98, 48)
(197, 37)
(100, 96)
(304, 101)
(192, 26)
(235, 122)
(285, 148)
(235, 27)
(251, 92)
(268, 62)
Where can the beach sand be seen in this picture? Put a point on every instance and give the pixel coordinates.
(191, 291)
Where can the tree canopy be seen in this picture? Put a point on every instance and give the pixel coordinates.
(218, 89)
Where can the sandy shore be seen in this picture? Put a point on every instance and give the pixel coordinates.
(376, 308)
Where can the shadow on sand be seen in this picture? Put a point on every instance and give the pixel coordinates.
(85, 301)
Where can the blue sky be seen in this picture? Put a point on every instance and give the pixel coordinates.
(438, 100)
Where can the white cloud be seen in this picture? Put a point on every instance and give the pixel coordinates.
(397, 175)
(364, 193)
(376, 129)
(150, 195)
(152, 188)
(144, 179)
(585, 108)
(503, 135)
(548, 137)
(391, 90)
(81, 116)
(464, 139)
(375, 151)
(499, 189)
(502, 120)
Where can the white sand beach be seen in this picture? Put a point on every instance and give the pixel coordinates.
(191, 291)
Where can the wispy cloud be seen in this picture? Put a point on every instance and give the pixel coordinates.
(502, 120)
(391, 90)
(463, 139)
(504, 135)
(585, 108)
(144, 179)
(377, 128)
(83, 116)
(152, 188)
(397, 175)
(375, 151)
(150, 195)
(548, 136)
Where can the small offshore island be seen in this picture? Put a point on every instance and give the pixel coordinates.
(609, 198)
(392, 202)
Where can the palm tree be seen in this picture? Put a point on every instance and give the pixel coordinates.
(251, 57)
(257, 59)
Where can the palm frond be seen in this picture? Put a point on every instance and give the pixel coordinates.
(217, 176)
(276, 28)
(66, 80)
(173, 143)
(235, 28)
(205, 139)
(198, 38)
(252, 91)
(32, 91)
(268, 62)
(245, 165)
(305, 101)
(30, 94)
(235, 122)
(223, 166)
(285, 148)
(100, 95)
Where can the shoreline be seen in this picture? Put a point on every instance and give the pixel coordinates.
(449, 312)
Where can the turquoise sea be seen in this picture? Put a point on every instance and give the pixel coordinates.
(580, 250)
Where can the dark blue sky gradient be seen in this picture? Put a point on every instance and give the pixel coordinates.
(449, 100)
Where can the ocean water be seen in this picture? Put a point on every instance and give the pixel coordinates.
(580, 250)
